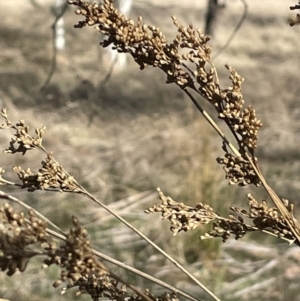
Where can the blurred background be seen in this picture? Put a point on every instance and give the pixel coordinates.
(123, 132)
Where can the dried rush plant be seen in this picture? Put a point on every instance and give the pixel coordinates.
(186, 62)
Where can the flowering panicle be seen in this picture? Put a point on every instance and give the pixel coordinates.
(186, 218)
(186, 62)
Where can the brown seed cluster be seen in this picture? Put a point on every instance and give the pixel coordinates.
(53, 175)
(148, 45)
(182, 217)
(50, 176)
(265, 217)
(75, 256)
(145, 43)
(238, 170)
(22, 137)
(243, 121)
(81, 268)
(186, 62)
(20, 239)
(225, 227)
(262, 216)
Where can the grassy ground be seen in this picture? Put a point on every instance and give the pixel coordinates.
(135, 133)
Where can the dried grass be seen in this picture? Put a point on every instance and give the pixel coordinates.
(117, 145)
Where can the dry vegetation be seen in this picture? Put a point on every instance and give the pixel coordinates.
(122, 139)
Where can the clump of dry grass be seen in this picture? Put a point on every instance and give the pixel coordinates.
(186, 62)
